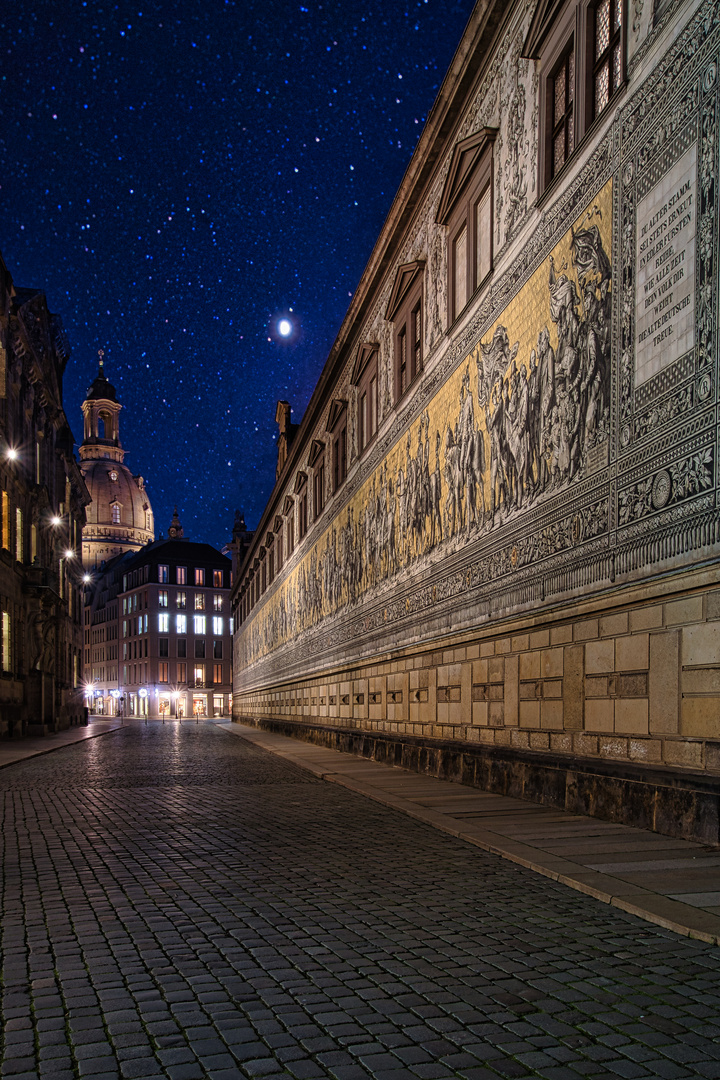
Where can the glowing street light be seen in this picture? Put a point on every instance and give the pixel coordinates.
(11, 454)
(55, 520)
(69, 553)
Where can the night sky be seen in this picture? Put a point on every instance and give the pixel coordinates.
(179, 176)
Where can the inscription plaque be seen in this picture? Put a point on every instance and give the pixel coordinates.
(665, 284)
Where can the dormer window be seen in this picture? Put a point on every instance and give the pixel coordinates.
(115, 508)
(405, 311)
(466, 208)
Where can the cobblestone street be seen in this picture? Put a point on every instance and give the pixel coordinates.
(179, 903)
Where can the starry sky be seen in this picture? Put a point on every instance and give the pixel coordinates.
(178, 176)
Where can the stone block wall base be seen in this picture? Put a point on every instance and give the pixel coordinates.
(673, 802)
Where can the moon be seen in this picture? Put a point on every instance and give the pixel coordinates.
(285, 328)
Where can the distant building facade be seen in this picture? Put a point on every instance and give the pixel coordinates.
(42, 513)
(119, 517)
(158, 631)
(492, 548)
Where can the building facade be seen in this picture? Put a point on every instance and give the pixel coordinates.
(158, 632)
(42, 512)
(119, 517)
(491, 551)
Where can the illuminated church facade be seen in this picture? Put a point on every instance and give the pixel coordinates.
(492, 548)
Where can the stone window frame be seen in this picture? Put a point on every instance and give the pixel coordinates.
(553, 31)
(316, 462)
(469, 180)
(365, 378)
(279, 538)
(337, 430)
(270, 546)
(406, 311)
(301, 491)
(289, 515)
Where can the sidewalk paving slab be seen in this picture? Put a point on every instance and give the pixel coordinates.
(670, 882)
(14, 750)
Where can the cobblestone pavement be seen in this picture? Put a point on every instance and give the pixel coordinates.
(179, 903)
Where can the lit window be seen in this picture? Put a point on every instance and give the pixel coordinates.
(199, 624)
(6, 658)
(163, 671)
(563, 111)
(217, 602)
(607, 74)
(125, 628)
(163, 623)
(217, 674)
(217, 624)
(182, 673)
(199, 575)
(6, 520)
(181, 600)
(145, 623)
(231, 625)
(217, 579)
(199, 601)
(199, 674)
(18, 534)
(162, 598)
(162, 574)
(115, 513)
(181, 624)
(181, 575)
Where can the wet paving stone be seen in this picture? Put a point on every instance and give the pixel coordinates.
(178, 903)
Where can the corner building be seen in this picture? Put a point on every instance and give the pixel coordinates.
(492, 550)
(158, 632)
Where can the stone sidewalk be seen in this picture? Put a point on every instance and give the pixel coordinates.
(674, 883)
(14, 750)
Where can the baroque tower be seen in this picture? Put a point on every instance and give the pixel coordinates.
(120, 517)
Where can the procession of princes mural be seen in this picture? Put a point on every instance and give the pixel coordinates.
(522, 427)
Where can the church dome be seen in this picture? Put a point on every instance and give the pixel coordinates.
(120, 505)
(119, 516)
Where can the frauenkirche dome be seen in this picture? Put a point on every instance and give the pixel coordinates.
(120, 517)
